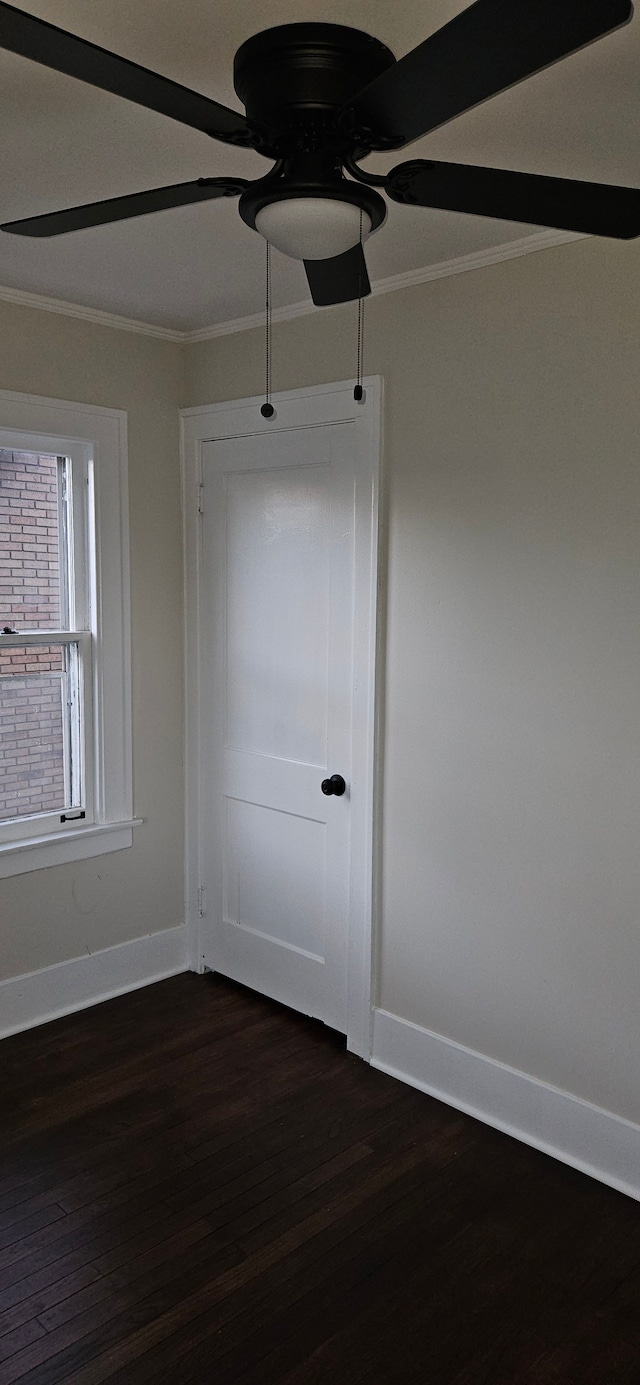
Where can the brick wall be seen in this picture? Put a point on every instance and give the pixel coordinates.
(31, 743)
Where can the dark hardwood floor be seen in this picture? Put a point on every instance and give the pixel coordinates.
(197, 1185)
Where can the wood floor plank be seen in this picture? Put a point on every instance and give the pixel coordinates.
(30, 1225)
(475, 1314)
(32, 1296)
(198, 1185)
(21, 1337)
(339, 1266)
(160, 1327)
(130, 1310)
(109, 1288)
(112, 1225)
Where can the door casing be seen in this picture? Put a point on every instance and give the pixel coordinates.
(317, 406)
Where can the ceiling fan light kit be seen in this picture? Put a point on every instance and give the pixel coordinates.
(312, 228)
(319, 98)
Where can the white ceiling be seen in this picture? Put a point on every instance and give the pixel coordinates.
(64, 143)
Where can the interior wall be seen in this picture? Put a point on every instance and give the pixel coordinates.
(49, 916)
(511, 801)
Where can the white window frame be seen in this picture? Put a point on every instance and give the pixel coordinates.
(96, 440)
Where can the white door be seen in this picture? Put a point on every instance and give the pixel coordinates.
(278, 555)
(284, 577)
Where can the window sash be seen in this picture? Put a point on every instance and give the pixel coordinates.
(31, 637)
(76, 550)
(77, 732)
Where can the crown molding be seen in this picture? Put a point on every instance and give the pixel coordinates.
(511, 250)
(463, 264)
(85, 314)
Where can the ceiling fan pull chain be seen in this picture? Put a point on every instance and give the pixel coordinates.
(267, 410)
(358, 392)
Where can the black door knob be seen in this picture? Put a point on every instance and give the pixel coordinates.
(334, 785)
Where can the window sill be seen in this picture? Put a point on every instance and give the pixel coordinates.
(57, 848)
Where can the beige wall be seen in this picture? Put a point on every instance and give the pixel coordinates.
(511, 868)
(511, 872)
(51, 915)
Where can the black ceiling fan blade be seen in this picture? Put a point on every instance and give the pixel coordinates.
(45, 43)
(339, 280)
(485, 49)
(121, 208)
(598, 209)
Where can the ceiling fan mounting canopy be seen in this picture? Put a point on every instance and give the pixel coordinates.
(295, 79)
(320, 97)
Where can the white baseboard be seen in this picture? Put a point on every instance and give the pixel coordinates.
(44, 995)
(595, 1141)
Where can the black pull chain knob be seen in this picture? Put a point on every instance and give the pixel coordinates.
(334, 785)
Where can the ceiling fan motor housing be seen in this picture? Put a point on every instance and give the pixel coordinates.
(297, 77)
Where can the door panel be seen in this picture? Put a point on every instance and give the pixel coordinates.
(274, 875)
(277, 611)
(278, 563)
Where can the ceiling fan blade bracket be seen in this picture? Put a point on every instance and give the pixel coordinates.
(365, 139)
(370, 180)
(233, 187)
(252, 138)
(399, 183)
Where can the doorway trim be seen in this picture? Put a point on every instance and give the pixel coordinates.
(314, 407)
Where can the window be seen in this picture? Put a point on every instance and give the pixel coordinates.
(45, 658)
(65, 755)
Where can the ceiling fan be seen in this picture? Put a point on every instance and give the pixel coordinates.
(321, 97)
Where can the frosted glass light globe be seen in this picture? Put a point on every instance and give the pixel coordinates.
(312, 228)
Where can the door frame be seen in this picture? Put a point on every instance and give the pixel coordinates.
(303, 408)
